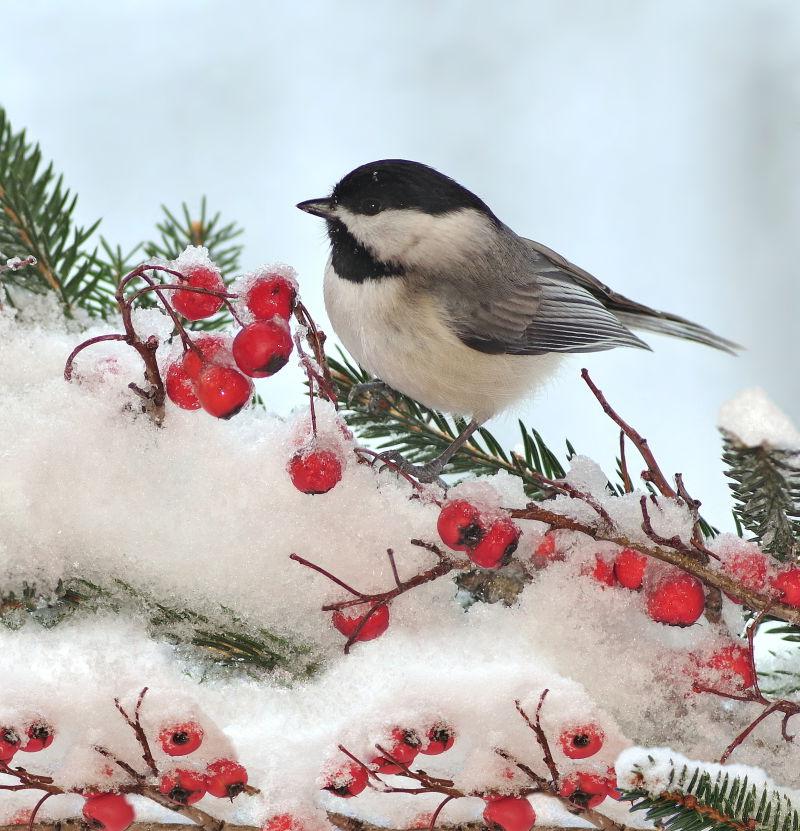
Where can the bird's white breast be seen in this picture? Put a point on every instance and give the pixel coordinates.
(398, 335)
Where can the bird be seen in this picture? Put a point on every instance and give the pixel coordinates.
(440, 300)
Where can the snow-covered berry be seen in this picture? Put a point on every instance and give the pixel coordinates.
(9, 743)
(441, 737)
(602, 571)
(509, 813)
(677, 599)
(225, 778)
(183, 786)
(40, 735)
(282, 822)
(108, 812)
(315, 471)
(732, 662)
(222, 391)
(787, 583)
(587, 790)
(459, 525)
(629, 568)
(497, 544)
(263, 347)
(582, 741)
(749, 568)
(180, 387)
(546, 551)
(196, 305)
(404, 746)
(349, 622)
(348, 781)
(271, 295)
(181, 739)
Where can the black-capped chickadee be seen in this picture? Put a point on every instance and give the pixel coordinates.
(436, 297)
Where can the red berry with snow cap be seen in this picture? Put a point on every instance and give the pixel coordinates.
(40, 735)
(263, 347)
(315, 472)
(108, 812)
(749, 568)
(677, 600)
(441, 737)
(787, 584)
(181, 739)
(196, 305)
(460, 525)
(271, 295)
(348, 781)
(180, 388)
(404, 746)
(509, 813)
(629, 568)
(9, 743)
(222, 391)
(498, 544)
(225, 778)
(348, 622)
(183, 786)
(582, 741)
(586, 790)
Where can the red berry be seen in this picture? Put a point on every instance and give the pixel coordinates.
(441, 737)
(271, 295)
(509, 813)
(348, 622)
(733, 663)
(263, 347)
(459, 525)
(225, 778)
(611, 784)
(315, 472)
(582, 741)
(183, 786)
(194, 304)
(210, 348)
(223, 391)
(584, 789)
(384, 765)
(282, 822)
(9, 743)
(348, 781)
(677, 600)
(180, 388)
(181, 739)
(497, 545)
(546, 551)
(40, 736)
(602, 571)
(404, 747)
(109, 812)
(629, 568)
(788, 585)
(749, 568)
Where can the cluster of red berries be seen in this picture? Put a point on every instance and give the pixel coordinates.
(215, 374)
(731, 664)
(351, 778)
(38, 735)
(588, 790)
(752, 569)
(488, 541)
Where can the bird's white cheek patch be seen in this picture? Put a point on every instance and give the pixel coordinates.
(417, 239)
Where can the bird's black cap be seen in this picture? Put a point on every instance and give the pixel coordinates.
(399, 183)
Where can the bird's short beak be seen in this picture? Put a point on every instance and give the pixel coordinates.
(319, 207)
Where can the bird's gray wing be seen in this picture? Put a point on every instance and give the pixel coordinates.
(633, 314)
(524, 303)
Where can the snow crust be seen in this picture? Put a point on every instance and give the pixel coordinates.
(202, 514)
(755, 420)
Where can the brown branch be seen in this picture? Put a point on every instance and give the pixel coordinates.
(653, 473)
(627, 484)
(541, 738)
(707, 575)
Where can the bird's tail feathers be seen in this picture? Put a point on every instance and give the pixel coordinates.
(677, 327)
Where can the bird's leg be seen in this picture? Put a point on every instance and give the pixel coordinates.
(378, 393)
(432, 471)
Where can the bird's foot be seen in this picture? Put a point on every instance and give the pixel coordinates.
(379, 396)
(427, 474)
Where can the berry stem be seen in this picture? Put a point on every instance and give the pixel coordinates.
(81, 346)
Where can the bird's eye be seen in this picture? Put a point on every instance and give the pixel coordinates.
(370, 207)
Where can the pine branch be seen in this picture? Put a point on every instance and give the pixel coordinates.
(695, 798)
(397, 422)
(227, 641)
(766, 487)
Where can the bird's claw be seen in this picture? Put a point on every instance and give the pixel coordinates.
(427, 474)
(380, 396)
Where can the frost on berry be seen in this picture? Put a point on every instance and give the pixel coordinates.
(582, 741)
(181, 739)
(184, 786)
(315, 471)
(787, 584)
(40, 735)
(587, 790)
(629, 568)
(225, 778)
(348, 781)
(676, 599)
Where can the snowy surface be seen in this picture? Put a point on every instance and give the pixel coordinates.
(202, 513)
(755, 420)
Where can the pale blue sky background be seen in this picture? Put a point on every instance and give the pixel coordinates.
(657, 144)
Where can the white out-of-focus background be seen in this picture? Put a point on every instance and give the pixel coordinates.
(654, 142)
